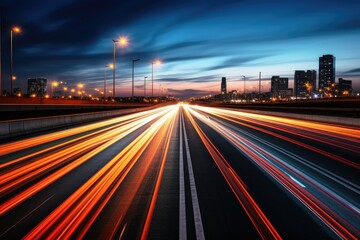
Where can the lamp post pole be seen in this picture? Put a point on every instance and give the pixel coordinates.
(145, 86)
(244, 85)
(11, 63)
(114, 65)
(105, 82)
(152, 79)
(133, 66)
(157, 62)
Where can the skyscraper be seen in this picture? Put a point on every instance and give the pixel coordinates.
(223, 85)
(37, 86)
(278, 83)
(304, 83)
(326, 71)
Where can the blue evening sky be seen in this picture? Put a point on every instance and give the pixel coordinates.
(198, 41)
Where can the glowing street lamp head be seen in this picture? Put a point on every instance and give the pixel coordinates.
(110, 65)
(55, 84)
(16, 29)
(157, 62)
(80, 85)
(123, 41)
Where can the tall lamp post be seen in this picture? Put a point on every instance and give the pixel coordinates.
(12, 77)
(156, 62)
(132, 89)
(109, 66)
(122, 42)
(145, 86)
(244, 85)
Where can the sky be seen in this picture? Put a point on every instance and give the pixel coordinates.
(197, 41)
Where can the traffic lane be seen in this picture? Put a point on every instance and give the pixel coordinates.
(21, 219)
(165, 222)
(125, 215)
(288, 216)
(344, 182)
(320, 153)
(222, 215)
(78, 212)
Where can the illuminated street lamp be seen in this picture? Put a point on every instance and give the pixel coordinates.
(109, 66)
(156, 62)
(53, 84)
(244, 84)
(132, 89)
(145, 86)
(15, 30)
(122, 42)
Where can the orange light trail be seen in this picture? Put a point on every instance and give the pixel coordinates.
(257, 217)
(311, 193)
(92, 196)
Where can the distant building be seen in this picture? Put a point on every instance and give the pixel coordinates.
(304, 83)
(326, 71)
(280, 87)
(278, 83)
(37, 86)
(223, 85)
(345, 87)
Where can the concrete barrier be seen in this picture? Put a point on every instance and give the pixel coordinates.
(25, 126)
(318, 118)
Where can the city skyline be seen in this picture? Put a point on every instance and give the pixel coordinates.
(198, 43)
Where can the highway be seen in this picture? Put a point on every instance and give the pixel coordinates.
(183, 172)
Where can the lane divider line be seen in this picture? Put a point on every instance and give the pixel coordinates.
(182, 201)
(194, 198)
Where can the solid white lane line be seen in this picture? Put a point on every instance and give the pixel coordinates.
(182, 205)
(194, 198)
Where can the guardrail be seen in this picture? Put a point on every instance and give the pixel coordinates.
(14, 128)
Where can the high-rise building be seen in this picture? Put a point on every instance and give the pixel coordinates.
(304, 83)
(278, 83)
(345, 87)
(223, 85)
(37, 86)
(280, 87)
(326, 71)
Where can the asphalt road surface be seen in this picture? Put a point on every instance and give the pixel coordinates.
(183, 172)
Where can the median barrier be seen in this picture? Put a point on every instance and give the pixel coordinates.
(14, 128)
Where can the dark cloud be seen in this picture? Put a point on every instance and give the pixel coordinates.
(355, 70)
(234, 62)
(187, 93)
(59, 36)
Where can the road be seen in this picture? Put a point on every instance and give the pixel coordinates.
(183, 172)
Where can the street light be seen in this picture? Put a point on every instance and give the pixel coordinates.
(15, 30)
(110, 66)
(156, 62)
(133, 63)
(53, 84)
(122, 42)
(145, 86)
(244, 84)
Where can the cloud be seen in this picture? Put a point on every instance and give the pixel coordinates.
(187, 93)
(355, 70)
(234, 62)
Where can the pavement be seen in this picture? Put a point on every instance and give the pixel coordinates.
(183, 172)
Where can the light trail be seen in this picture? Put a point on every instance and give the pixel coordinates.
(111, 137)
(257, 217)
(122, 162)
(338, 213)
(27, 143)
(82, 207)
